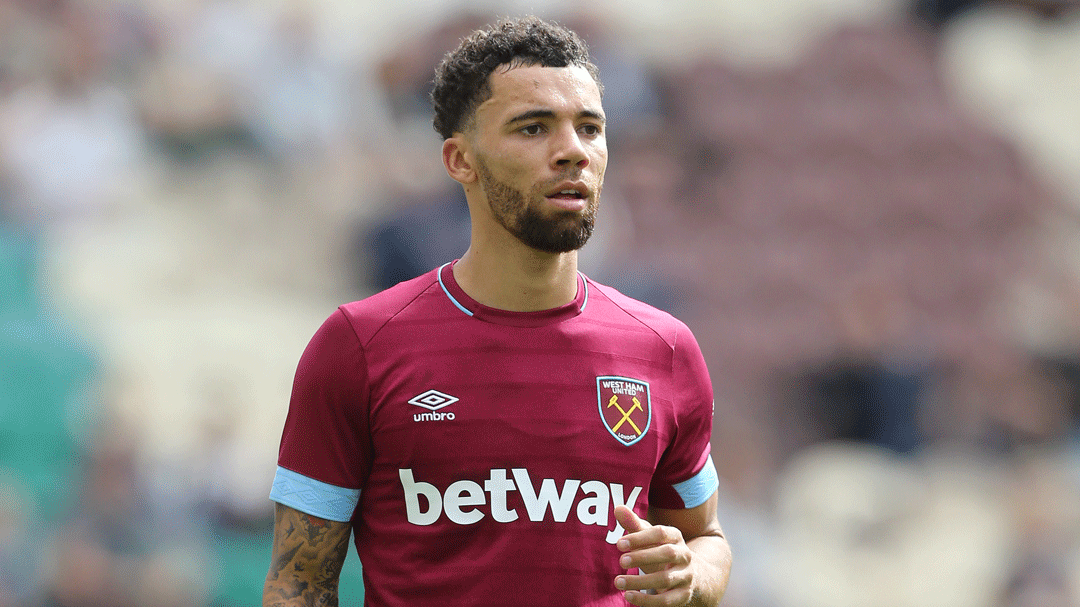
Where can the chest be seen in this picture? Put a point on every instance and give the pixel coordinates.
(565, 406)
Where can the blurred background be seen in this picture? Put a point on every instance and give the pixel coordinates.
(867, 210)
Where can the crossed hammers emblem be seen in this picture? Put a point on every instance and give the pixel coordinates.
(614, 402)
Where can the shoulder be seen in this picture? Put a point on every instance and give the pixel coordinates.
(612, 304)
(366, 316)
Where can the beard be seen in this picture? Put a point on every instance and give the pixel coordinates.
(559, 232)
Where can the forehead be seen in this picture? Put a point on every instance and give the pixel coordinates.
(569, 90)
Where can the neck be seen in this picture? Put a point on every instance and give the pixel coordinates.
(517, 278)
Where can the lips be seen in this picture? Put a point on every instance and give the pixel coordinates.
(569, 195)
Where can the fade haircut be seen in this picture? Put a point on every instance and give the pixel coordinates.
(462, 80)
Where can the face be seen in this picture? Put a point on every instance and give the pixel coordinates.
(539, 152)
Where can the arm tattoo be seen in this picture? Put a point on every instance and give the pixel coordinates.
(307, 559)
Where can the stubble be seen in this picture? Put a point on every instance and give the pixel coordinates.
(559, 232)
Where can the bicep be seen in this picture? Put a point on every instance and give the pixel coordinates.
(308, 553)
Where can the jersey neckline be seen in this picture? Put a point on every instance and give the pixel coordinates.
(479, 311)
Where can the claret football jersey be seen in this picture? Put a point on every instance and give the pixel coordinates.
(479, 453)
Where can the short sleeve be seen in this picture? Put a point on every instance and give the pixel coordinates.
(686, 476)
(325, 446)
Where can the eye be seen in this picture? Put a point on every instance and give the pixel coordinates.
(532, 129)
(591, 129)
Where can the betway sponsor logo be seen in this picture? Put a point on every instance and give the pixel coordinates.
(592, 502)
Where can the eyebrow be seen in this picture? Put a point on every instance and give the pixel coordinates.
(534, 114)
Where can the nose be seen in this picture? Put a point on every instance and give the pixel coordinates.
(569, 150)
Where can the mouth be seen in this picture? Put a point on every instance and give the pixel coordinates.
(569, 196)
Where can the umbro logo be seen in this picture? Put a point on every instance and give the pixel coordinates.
(433, 400)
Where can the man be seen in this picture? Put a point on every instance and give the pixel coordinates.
(503, 430)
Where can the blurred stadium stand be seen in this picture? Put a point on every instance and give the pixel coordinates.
(868, 212)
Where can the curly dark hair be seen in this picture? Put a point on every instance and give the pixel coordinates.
(461, 80)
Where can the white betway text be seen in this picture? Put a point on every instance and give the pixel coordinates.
(461, 500)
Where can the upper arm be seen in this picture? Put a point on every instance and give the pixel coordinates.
(685, 476)
(308, 554)
(699, 521)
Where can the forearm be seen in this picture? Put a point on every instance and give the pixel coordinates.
(295, 593)
(712, 562)
(701, 556)
(308, 554)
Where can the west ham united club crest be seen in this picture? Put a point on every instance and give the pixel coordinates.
(625, 407)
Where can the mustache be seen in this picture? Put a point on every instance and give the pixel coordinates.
(570, 175)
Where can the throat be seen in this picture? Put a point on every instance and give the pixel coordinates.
(530, 283)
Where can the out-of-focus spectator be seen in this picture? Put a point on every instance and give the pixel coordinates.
(68, 136)
(120, 546)
(420, 235)
(190, 94)
(876, 389)
(936, 13)
(939, 13)
(297, 97)
(1002, 401)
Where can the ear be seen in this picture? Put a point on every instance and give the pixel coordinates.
(457, 160)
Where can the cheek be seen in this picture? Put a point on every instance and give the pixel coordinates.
(601, 168)
(512, 171)
(599, 161)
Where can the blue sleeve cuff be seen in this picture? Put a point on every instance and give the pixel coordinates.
(314, 497)
(696, 490)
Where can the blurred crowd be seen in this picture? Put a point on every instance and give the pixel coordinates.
(874, 235)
